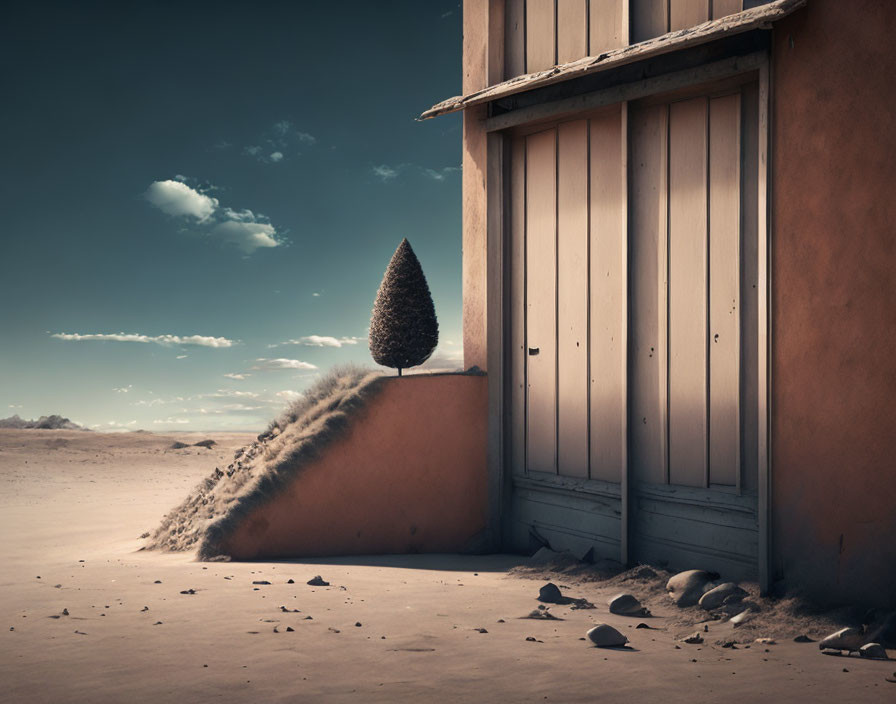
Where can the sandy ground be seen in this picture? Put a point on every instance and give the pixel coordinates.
(72, 508)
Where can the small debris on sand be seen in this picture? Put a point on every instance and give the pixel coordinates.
(290, 581)
(604, 635)
(693, 639)
(765, 641)
(185, 591)
(158, 581)
(480, 630)
(803, 638)
(65, 612)
(317, 581)
(334, 630)
(290, 629)
(533, 639)
(207, 444)
(261, 581)
(357, 624)
(541, 615)
(289, 611)
(177, 446)
(145, 608)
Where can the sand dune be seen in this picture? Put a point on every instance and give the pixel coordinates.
(88, 617)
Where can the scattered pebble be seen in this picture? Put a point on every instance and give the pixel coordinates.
(185, 591)
(532, 639)
(480, 630)
(290, 581)
(542, 615)
(550, 593)
(626, 604)
(65, 612)
(318, 581)
(290, 629)
(693, 639)
(357, 624)
(765, 641)
(261, 581)
(334, 630)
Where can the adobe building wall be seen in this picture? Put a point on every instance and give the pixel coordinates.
(408, 477)
(833, 422)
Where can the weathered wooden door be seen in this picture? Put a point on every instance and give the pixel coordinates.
(633, 332)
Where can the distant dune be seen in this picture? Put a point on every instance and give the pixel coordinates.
(43, 423)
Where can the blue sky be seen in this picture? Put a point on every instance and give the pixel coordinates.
(199, 200)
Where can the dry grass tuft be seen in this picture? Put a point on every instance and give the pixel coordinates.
(260, 470)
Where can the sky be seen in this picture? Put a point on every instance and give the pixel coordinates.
(198, 200)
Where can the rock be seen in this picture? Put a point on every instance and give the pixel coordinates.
(318, 581)
(65, 612)
(290, 629)
(873, 650)
(741, 618)
(605, 636)
(480, 630)
(261, 581)
(845, 639)
(729, 592)
(185, 591)
(765, 641)
(693, 639)
(803, 638)
(357, 624)
(178, 445)
(626, 604)
(205, 443)
(290, 581)
(550, 593)
(686, 588)
(542, 615)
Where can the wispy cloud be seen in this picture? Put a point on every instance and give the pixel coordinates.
(238, 377)
(182, 356)
(123, 389)
(113, 424)
(441, 174)
(275, 156)
(166, 340)
(242, 228)
(386, 173)
(171, 421)
(278, 142)
(321, 341)
(287, 395)
(266, 365)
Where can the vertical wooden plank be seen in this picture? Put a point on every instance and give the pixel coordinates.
(572, 30)
(541, 292)
(723, 8)
(687, 13)
(625, 488)
(724, 291)
(541, 34)
(496, 29)
(763, 344)
(517, 311)
(748, 479)
(606, 26)
(514, 38)
(648, 149)
(572, 299)
(495, 338)
(649, 18)
(608, 297)
(687, 292)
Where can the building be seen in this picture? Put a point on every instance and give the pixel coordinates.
(679, 276)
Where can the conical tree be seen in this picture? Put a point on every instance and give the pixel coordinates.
(403, 328)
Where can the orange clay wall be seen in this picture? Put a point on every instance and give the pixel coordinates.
(408, 476)
(834, 301)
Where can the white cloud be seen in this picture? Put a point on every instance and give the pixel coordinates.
(198, 340)
(262, 364)
(282, 128)
(178, 199)
(386, 173)
(275, 156)
(182, 356)
(15, 405)
(171, 421)
(445, 360)
(321, 341)
(115, 424)
(239, 377)
(123, 389)
(306, 138)
(150, 403)
(316, 294)
(253, 151)
(248, 236)
(287, 395)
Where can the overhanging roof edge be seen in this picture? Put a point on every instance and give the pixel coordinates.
(744, 21)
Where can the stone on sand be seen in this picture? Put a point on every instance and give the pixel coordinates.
(626, 604)
(604, 635)
(845, 639)
(318, 581)
(686, 588)
(740, 618)
(873, 650)
(724, 593)
(693, 639)
(550, 593)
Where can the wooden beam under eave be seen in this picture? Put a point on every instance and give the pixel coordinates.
(755, 18)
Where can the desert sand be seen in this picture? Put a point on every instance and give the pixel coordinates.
(87, 616)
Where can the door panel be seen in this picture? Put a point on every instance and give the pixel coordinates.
(541, 301)
(572, 299)
(687, 292)
(609, 282)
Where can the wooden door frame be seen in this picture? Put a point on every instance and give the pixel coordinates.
(499, 346)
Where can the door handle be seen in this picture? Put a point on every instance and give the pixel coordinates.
(533, 351)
